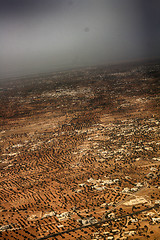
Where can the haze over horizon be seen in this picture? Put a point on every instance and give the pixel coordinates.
(40, 36)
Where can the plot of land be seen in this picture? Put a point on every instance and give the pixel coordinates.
(80, 154)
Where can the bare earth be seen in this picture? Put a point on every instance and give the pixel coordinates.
(80, 154)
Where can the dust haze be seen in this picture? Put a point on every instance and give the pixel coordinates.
(51, 35)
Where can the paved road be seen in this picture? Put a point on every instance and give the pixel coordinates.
(94, 224)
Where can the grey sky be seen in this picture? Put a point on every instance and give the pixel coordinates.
(60, 34)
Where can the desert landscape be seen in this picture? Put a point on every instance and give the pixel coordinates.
(80, 154)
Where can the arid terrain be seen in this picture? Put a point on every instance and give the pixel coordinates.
(80, 154)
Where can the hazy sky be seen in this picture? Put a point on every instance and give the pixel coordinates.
(43, 35)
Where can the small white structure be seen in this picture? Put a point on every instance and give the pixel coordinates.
(156, 220)
(115, 231)
(63, 216)
(138, 200)
(135, 189)
(126, 190)
(111, 215)
(106, 233)
(116, 180)
(103, 205)
(4, 227)
(129, 233)
(89, 221)
(153, 169)
(139, 185)
(108, 182)
(134, 220)
(49, 214)
(110, 238)
(157, 201)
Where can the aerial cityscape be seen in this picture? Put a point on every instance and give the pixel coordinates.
(80, 119)
(80, 154)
